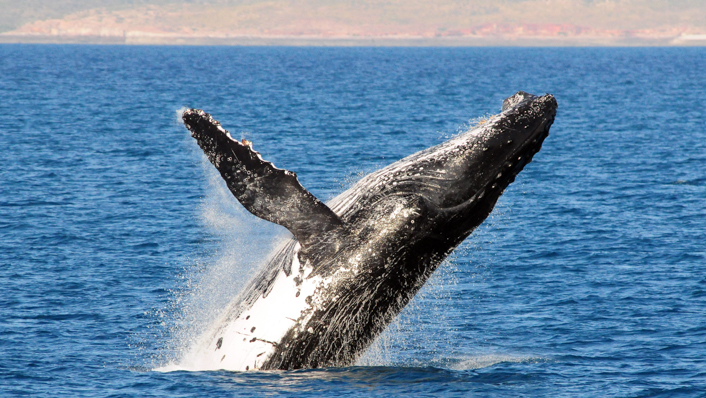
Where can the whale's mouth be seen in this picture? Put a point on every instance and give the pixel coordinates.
(534, 142)
(524, 154)
(534, 119)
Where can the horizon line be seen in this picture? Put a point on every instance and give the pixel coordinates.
(140, 38)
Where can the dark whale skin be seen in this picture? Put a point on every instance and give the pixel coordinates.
(441, 195)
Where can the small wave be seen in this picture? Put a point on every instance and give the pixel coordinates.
(172, 367)
(455, 364)
(694, 182)
(485, 361)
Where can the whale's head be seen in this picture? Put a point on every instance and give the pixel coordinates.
(487, 158)
(469, 172)
(461, 179)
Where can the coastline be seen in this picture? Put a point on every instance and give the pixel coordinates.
(137, 38)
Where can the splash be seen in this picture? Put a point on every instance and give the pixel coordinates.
(177, 117)
(237, 244)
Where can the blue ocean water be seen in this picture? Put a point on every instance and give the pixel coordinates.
(118, 241)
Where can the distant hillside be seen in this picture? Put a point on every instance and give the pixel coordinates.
(163, 19)
(16, 13)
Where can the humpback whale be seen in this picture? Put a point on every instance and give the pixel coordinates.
(355, 262)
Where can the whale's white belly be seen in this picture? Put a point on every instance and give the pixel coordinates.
(244, 342)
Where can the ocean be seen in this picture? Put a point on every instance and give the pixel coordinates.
(119, 242)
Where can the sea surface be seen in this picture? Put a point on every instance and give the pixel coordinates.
(119, 243)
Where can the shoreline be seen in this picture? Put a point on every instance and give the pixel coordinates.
(304, 41)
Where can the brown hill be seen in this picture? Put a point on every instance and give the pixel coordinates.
(161, 21)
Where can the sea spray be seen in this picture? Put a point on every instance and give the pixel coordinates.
(237, 244)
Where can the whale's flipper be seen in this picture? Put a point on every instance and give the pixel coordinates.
(268, 192)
